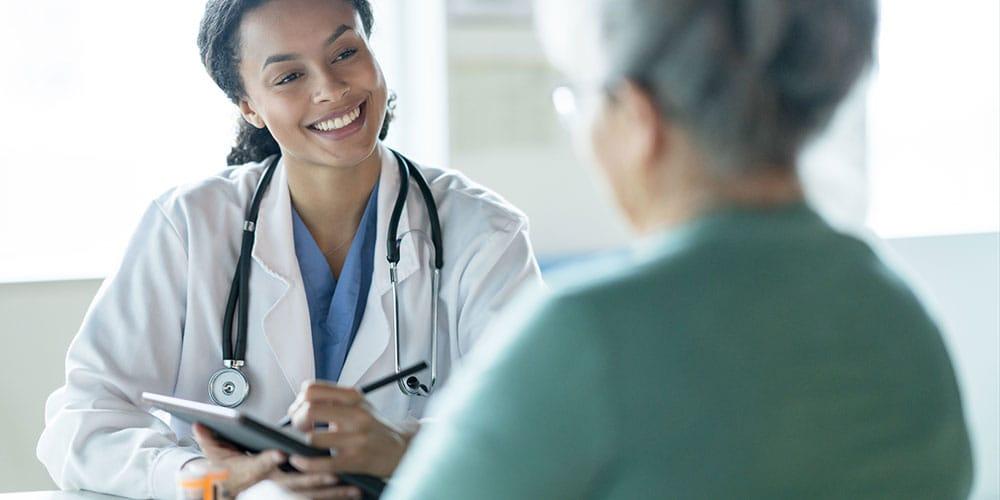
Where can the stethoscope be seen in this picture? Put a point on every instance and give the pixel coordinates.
(229, 386)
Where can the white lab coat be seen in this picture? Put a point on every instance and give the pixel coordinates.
(155, 324)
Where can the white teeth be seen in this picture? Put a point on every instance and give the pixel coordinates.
(339, 122)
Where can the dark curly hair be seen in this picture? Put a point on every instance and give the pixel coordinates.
(218, 42)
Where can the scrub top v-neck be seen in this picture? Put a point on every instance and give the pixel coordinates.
(336, 306)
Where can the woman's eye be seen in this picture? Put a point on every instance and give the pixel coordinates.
(346, 54)
(288, 78)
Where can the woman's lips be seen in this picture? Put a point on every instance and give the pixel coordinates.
(343, 125)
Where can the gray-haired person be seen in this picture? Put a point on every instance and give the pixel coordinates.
(744, 349)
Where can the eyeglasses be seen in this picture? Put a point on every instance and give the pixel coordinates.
(573, 102)
(564, 100)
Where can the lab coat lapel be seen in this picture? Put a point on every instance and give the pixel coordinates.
(276, 285)
(374, 333)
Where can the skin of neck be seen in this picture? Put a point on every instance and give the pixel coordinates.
(331, 200)
(681, 185)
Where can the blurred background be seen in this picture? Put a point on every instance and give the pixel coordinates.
(105, 105)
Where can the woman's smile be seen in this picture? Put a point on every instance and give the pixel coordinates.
(340, 124)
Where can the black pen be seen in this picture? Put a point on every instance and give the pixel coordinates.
(382, 382)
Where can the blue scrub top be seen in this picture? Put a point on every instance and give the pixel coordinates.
(336, 306)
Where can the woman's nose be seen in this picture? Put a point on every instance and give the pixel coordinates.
(330, 89)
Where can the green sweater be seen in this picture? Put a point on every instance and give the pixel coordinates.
(749, 354)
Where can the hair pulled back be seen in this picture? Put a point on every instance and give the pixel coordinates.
(218, 43)
(753, 80)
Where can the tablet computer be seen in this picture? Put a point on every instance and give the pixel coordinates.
(252, 435)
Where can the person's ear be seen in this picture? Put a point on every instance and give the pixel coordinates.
(648, 132)
(249, 113)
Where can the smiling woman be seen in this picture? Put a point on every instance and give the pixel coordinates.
(311, 209)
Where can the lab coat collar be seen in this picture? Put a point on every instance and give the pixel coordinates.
(278, 290)
(286, 323)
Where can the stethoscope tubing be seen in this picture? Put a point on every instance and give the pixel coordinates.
(411, 385)
(234, 356)
(237, 303)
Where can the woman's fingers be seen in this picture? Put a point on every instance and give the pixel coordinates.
(343, 418)
(350, 453)
(341, 442)
(247, 470)
(335, 492)
(244, 469)
(332, 492)
(316, 464)
(318, 485)
(363, 442)
(306, 481)
(259, 466)
(315, 391)
(204, 436)
(213, 448)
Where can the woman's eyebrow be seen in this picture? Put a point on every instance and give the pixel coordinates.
(289, 57)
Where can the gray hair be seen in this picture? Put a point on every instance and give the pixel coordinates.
(751, 80)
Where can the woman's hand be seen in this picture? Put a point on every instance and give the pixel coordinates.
(362, 443)
(245, 470)
(314, 485)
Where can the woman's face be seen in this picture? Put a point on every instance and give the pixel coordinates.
(311, 78)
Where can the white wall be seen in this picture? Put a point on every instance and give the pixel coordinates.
(37, 322)
(958, 274)
(504, 133)
(409, 42)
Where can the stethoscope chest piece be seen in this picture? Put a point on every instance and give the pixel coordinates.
(228, 387)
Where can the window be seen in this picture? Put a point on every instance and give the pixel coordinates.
(934, 119)
(106, 105)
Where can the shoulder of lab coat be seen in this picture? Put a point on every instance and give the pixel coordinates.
(96, 421)
(202, 201)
